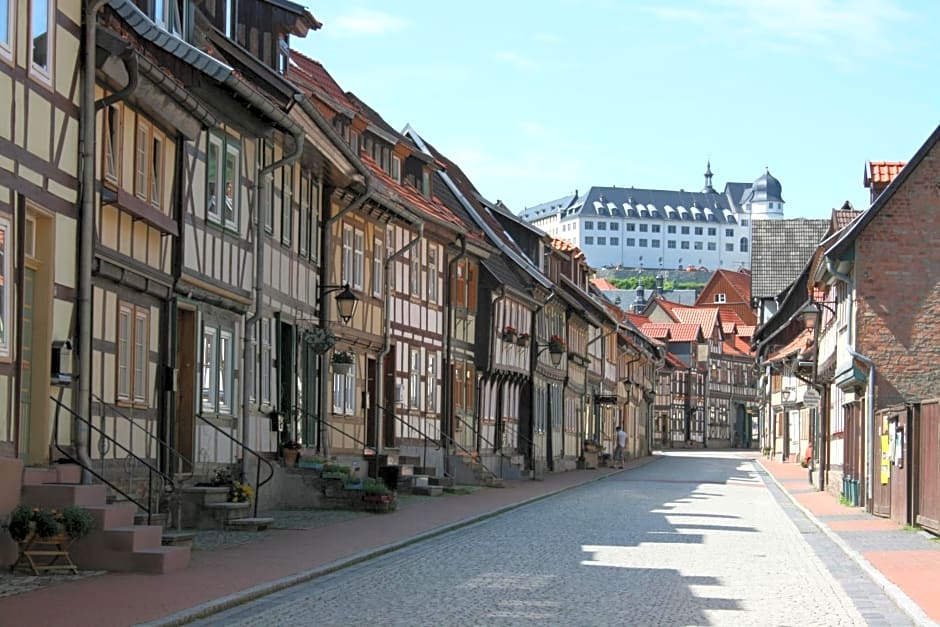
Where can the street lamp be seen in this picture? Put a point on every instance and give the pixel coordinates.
(346, 300)
(810, 312)
(555, 355)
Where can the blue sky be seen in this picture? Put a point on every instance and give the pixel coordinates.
(536, 99)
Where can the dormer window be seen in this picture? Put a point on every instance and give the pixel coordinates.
(166, 15)
(720, 297)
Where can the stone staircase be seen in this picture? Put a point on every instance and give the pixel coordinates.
(469, 470)
(208, 507)
(117, 543)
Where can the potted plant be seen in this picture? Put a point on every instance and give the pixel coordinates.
(557, 345)
(334, 471)
(523, 339)
(291, 451)
(509, 333)
(37, 530)
(240, 492)
(343, 361)
(319, 340)
(377, 496)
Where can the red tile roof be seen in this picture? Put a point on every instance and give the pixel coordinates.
(705, 317)
(882, 172)
(317, 77)
(637, 320)
(736, 345)
(668, 306)
(567, 247)
(675, 362)
(603, 284)
(796, 345)
(746, 330)
(678, 332)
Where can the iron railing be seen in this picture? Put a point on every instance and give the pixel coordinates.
(153, 471)
(245, 449)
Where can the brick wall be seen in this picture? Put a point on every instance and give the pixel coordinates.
(898, 283)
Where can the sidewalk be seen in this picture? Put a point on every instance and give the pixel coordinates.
(224, 577)
(905, 563)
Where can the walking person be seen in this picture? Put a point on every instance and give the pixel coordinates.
(621, 445)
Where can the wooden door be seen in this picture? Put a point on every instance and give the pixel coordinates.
(881, 483)
(928, 466)
(185, 430)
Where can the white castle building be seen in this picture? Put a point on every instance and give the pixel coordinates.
(654, 228)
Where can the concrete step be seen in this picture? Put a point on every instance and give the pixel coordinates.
(250, 524)
(59, 495)
(441, 481)
(428, 490)
(178, 538)
(156, 518)
(58, 473)
(162, 559)
(494, 482)
(112, 515)
(218, 515)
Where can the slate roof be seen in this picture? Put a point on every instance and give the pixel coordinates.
(780, 250)
(631, 202)
(548, 208)
(882, 172)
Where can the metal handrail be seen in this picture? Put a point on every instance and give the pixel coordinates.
(535, 448)
(427, 438)
(335, 428)
(482, 438)
(152, 469)
(166, 445)
(245, 449)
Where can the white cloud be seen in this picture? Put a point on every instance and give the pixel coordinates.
(514, 59)
(839, 31)
(532, 129)
(365, 23)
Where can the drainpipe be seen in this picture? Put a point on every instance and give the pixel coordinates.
(500, 296)
(260, 197)
(387, 347)
(870, 391)
(533, 367)
(448, 332)
(86, 236)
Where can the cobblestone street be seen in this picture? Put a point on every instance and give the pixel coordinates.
(692, 540)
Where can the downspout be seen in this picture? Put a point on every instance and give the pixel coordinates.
(86, 236)
(259, 206)
(499, 378)
(448, 334)
(387, 326)
(534, 364)
(870, 391)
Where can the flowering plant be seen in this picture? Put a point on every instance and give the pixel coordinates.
(343, 357)
(556, 344)
(240, 492)
(509, 329)
(74, 521)
(319, 340)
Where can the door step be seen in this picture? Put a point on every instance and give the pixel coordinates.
(249, 524)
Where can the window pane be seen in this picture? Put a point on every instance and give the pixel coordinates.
(212, 177)
(209, 370)
(347, 254)
(350, 379)
(140, 165)
(339, 392)
(231, 185)
(359, 261)
(141, 354)
(5, 21)
(225, 373)
(124, 354)
(156, 171)
(112, 120)
(39, 33)
(378, 261)
(265, 365)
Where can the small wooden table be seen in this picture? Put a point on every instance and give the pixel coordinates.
(45, 554)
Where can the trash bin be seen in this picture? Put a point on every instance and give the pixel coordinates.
(389, 476)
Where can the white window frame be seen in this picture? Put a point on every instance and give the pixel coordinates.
(348, 254)
(344, 393)
(396, 168)
(432, 277)
(6, 45)
(209, 364)
(141, 160)
(302, 243)
(132, 354)
(111, 129)
(378, 267)
(217, 385)
(359, 245)
(232, 149)
(43, 73)
(415, 271)
(5, 283)
(430, 384)
(414, 378)
(268, 159)
(720, 297)
(264, 365)
(213, 200)
(287, 205)
(226, 387)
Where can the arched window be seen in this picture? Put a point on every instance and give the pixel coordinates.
(743, 244)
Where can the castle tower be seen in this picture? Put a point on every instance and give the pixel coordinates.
(766, 199)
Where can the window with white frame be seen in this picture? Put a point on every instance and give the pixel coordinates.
(432, 275)
(302, 242)
(41, 27)
(222, 181)
(414, 378)
(415, 271)
(287, 205)
(359, 259)
(4, 287)
(430, 384)
(133, 353)
(6, 27)
(378, 267)
(166, 14)
(347, 254)
(264, 363)
(112, 142)
(218, 375)
(269, 197)
(344, 393)
(720, 297)
(396, 168)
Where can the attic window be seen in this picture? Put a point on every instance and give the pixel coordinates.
(283, 54)
(720, 297)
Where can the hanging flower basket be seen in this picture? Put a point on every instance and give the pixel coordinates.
(318, 340)
(523, 339)
(343, 361)
(509, 334)
(556, 344)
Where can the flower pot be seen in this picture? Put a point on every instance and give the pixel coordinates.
(509, 336)
(290, 457)
(342, 367)
(523, 340)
